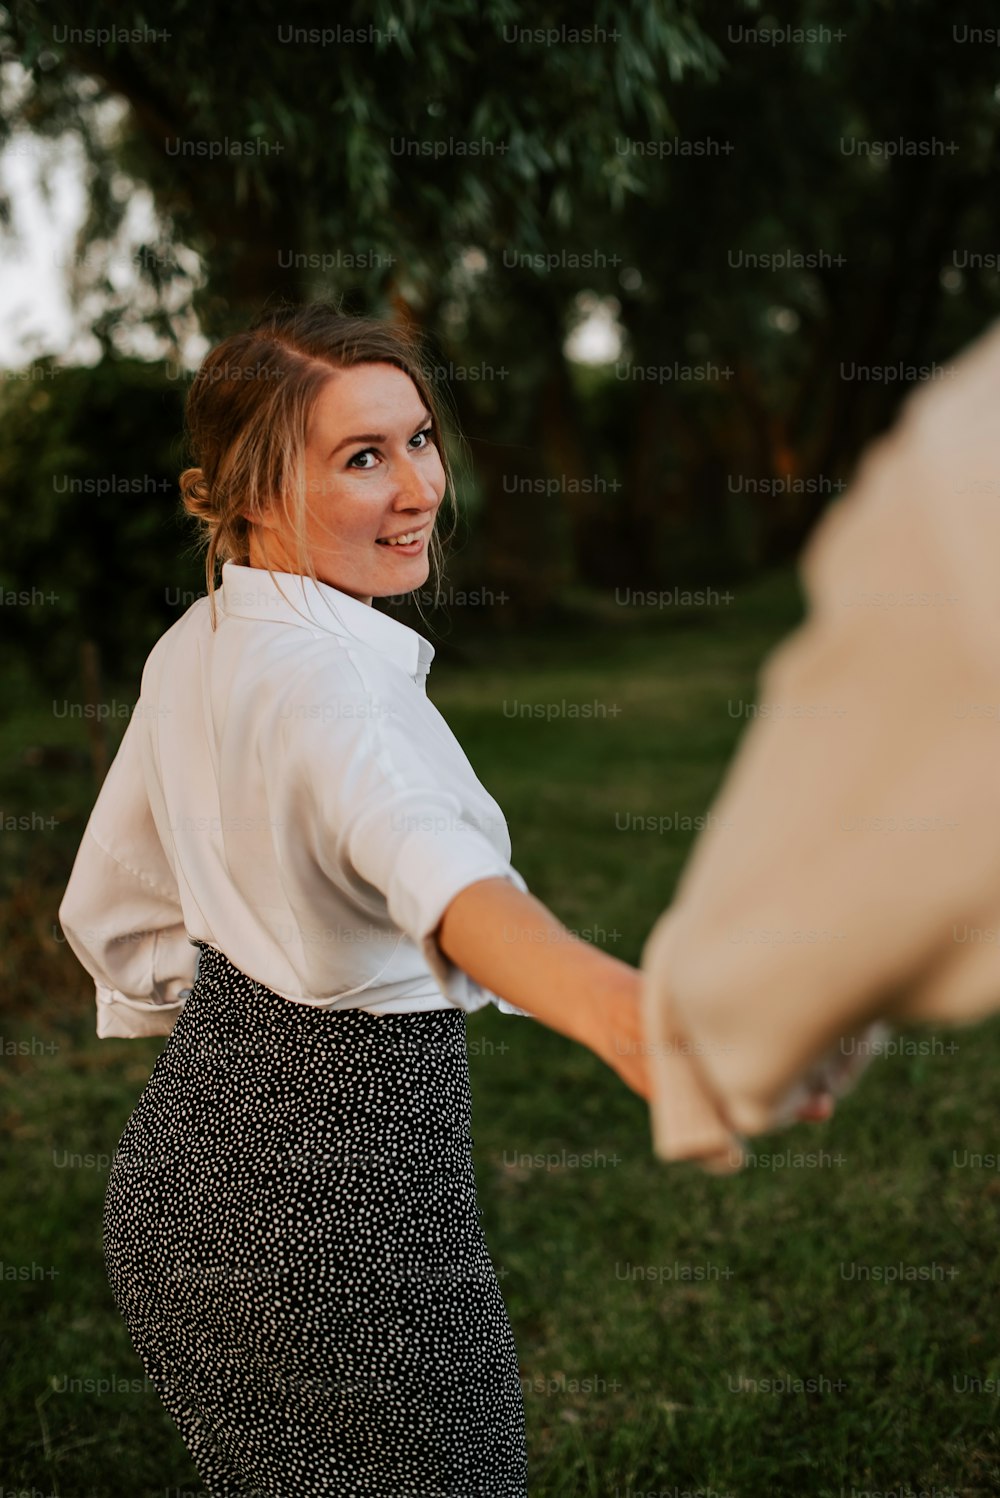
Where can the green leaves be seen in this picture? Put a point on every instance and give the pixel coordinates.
(464, 108)
(629, 149)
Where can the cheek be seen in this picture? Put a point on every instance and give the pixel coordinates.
(346, 512)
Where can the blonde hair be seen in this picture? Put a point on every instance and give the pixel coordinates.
(247, 415)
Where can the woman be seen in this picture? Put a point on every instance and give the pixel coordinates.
(293, 872)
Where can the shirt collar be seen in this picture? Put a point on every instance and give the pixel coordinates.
(251, 593)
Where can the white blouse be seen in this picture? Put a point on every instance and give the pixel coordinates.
(286, 792)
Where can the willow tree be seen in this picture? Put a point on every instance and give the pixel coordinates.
(368, 158)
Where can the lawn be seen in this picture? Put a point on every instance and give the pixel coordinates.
(823, 1324)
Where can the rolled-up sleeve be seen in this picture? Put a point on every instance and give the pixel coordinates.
(415, 847)
(387, 819)
(120, 912)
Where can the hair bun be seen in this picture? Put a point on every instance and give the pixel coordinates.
(196, 494)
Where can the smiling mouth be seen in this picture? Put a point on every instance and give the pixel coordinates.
(409, 542)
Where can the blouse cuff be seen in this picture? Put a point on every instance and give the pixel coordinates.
(131, 1019)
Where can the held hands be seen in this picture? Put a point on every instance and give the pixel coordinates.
(618, 1036)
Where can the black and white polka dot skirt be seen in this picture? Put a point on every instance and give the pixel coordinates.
(292, 1235)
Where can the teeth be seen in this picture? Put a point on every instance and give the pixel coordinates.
(400, 540)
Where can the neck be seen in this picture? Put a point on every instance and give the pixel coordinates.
(259, 556)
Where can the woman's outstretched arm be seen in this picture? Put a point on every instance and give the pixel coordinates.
(508, 941)
(514, 946)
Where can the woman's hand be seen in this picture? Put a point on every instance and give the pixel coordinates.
(617, 1034)
(618, 1037)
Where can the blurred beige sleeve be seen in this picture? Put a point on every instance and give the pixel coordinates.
(851, 869)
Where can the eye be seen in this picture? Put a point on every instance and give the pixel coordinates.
(426, 432)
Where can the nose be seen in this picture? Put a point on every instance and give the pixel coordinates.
(418, 487)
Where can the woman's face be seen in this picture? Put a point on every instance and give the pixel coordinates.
(373, 470)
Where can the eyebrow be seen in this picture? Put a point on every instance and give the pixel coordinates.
(375, 436)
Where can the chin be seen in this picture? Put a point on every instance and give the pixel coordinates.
(408, 582)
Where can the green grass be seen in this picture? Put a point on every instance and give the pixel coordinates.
(634, 1383)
